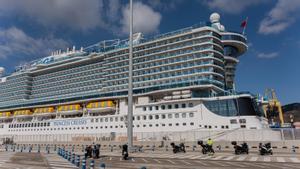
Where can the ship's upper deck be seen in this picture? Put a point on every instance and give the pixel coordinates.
(191, 58)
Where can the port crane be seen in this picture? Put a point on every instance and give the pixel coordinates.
(272, 108)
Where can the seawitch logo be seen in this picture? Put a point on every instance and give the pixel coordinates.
(70, 122)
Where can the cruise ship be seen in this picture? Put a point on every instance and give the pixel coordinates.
(183, 81)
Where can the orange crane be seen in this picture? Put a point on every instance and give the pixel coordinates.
(272, 108)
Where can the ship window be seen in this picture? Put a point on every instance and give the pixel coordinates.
(106, 127)
(144, 125)
(163, 116)
(184, 124)
(150, 108)
(163, 107)
(106, 119)
(163, 125)
(222, 127)
(183, 105)
(169, 106)
(170, 124)
(183, 115)
(156, 116)
(156, 125)
(191, 105)
(205, 126)
(176, 106)
(111, 127)
(156, 107)
(150, 125)
(227, 126)
(121, 118)
(233, 121)
(176, 115)
(216, 126)
(150, 117)
(137, 125)
(144, 108)
(92, 120)
(209, 127)
(97, 120)
(177, 124)
(242, 120)
(111, 119)
(116, 127)
(191, 114)
(116, 119)
(191, 123)
(170, 116)
(138, 118)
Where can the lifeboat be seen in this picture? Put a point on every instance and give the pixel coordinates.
(5, 115)
(23, 113)
(101, 106)
(72, 109)
(45, 111)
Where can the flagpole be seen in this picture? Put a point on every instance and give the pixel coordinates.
(244, 29)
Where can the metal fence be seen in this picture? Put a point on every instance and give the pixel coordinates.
(184, 136)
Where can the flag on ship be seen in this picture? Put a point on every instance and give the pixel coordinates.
(244, 25)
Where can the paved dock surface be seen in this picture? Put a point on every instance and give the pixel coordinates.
(113, 160)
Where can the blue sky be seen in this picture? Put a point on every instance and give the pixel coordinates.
(31, 29)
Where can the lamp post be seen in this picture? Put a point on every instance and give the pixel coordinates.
(130, 85)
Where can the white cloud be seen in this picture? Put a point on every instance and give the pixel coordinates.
(73, 14)
(164, 4)
(14, 43)
(268, 55)
(280, 17)
(230, 6)
(145, 19)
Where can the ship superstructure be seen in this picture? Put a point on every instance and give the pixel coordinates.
(183, 80)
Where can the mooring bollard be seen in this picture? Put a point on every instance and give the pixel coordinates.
(92, 164)
(194, 147)
(293, 149)
(73, 158)
(102, 166)
(83, 166)
(70, 156)
(78, 161)
(66, 155)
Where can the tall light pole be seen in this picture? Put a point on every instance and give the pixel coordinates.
(130, 85)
